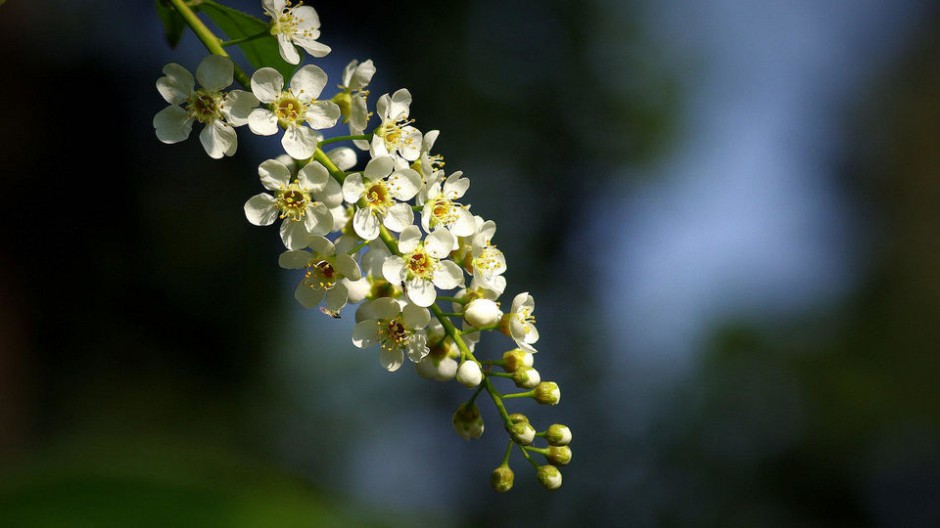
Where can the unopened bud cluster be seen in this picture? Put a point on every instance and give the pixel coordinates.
(378, 223)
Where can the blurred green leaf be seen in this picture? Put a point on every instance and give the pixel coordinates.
(173, 23)
(235, 24)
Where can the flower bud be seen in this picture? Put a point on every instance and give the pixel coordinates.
(469, 374)
(502, 478)
(522, 433)
(467, 422)
(549, 477)
(559, 455)
(513, 359)
(481, 312)
(558, 435)
(518, 418)
(547, 393)
(526, 378)
(446, 369)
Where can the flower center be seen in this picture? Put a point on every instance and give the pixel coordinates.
(289, 109)
(292, 202)
(321, 275)
(489, 261)
(394, 334)
(443, 211)
(378, 197)
(203, 106)
(394, 135)
(420, 264)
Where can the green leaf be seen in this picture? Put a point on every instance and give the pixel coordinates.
(260, 52)
(173, 23)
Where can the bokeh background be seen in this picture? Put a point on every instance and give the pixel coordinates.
(728, 212)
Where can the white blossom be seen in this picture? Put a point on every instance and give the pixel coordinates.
(421, 266)
(395, 136)
(384, 190)
(521, 322)
(296, 109)
(291, 26)
(325, 270)
(397, 329)
(216, 110)
(293, 202)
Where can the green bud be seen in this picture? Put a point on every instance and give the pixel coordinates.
(526, 377)
(513, 359)
(518, 418)
(558, 435)
(549, 477)
(502, 478)
(467, 422)
(522, 433)
(559, 455)
(547, 393)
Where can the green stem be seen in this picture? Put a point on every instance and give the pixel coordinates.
(508, 452)
(208, 38)
(458, 300)
(528, 394)
(529, 458)
(367, 137)
(452, 314)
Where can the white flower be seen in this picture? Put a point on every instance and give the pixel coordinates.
(395, 136)
(380, 185)
(325, 271)
(292, 109)
(428, 164)
(219, 112)
(521, 323)
(292, 202)
(487, 262)
(353, 97)
(421, 267)
(442, 210)
(295, 25)
(397, 330)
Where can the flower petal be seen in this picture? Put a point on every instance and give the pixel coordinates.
(391, 358)
(415, 317)
(308, 82)
(318, 220)
(404, 184)
(219, 139)
(409, 239)
(448, 276)
(267, 83)
(392, 269)
(379, 168)
(261, 209)
(398, 217)
(274, 174)
(439, 243)
(172, 124)
(323, 114)
(313, 177)
(300, 142)
(307, 296)
(294, 259)
(237, 106)
(366, 224)
(294, 234)
(353, 188)
(365, 333)
(343, 157)
(321, 246)
(263, 122)
(215, 72)
(421, 292)
(348, 267)
(177, 84)
(287, 50)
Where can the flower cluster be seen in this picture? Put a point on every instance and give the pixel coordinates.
(396, 237)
